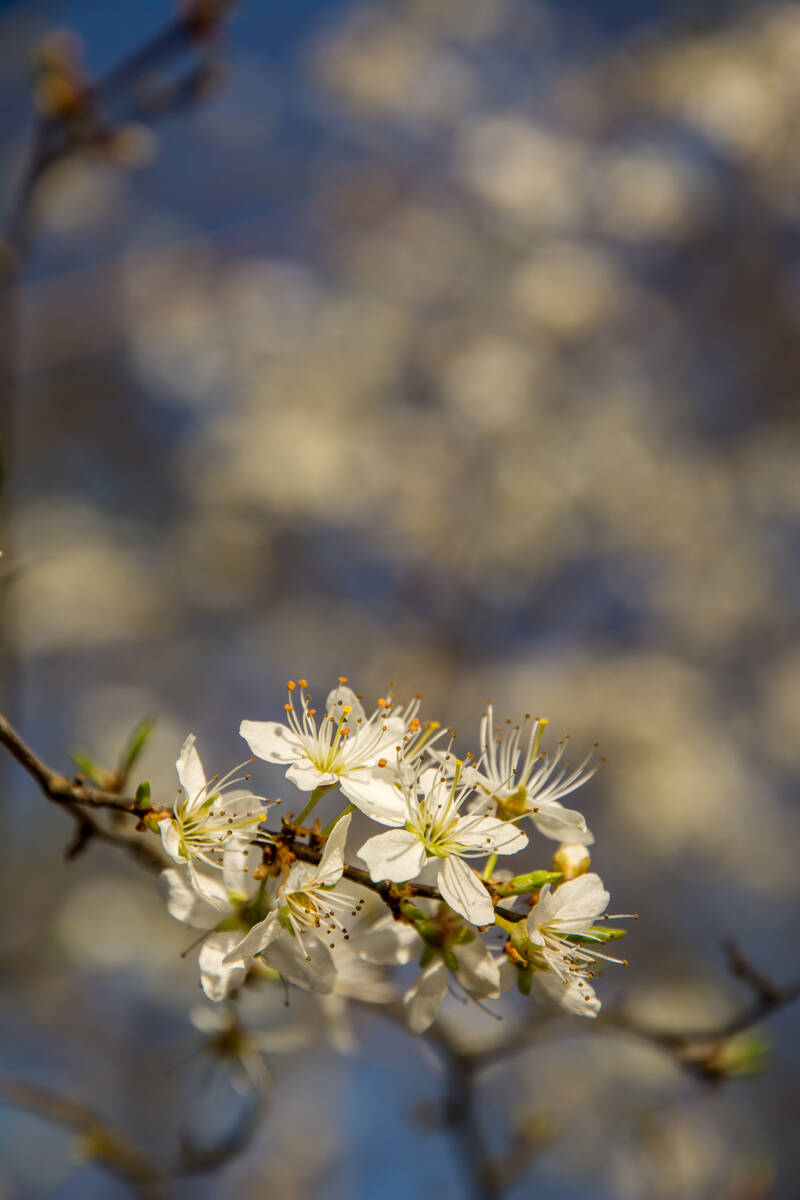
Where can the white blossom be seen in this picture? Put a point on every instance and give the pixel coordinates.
(294, 936)
(521, 780)
(212, 818)
(563, 966)
(431, 827)
(343, 748)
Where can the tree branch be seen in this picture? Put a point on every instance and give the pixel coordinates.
(388, 892)
(104, 1146)
(56, 786)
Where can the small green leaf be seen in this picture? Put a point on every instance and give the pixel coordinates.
(86, 765)
(135, 745)
(524, 980)
(143, 795)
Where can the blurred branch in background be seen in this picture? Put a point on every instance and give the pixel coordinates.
(81, 114)
(107, 117)
(105, 1147)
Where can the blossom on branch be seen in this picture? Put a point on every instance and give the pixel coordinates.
(211, 819)
(431, 827)
(523, 781)
(342, 749)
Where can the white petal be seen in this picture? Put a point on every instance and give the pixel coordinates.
(209, 1020)
(464, 892)
(218, 976)
(580, 1001)
(424, 998)
(489, 834)
(171, 839)
(237, 868)
(256, 940)
(335, 1010)
(332, 862)
(287, 957)
(478, 972)
(376, 798)
(344, 697)
(581, 899)
(271, 741)
(389, 942)
(562, 824)
(396, 855)
(184, 904)
(209, 884)
(507, 972)
(305, 776)
(190, 770)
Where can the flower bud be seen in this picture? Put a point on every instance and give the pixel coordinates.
(572, 860)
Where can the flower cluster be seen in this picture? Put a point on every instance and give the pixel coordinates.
(284, 903)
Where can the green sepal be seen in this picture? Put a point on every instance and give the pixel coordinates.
(524, 980)
(598, 933)
(231, 922)
(450, 960)
(415, 914)
(428, 955)
(464, 935)
(143, 795)
(530, 882)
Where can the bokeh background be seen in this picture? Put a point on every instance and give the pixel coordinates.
(451, 342)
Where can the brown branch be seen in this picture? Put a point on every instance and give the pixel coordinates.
(74, 797)
(58, 787)
(388, 892)
(56, 136)
(699, 1051)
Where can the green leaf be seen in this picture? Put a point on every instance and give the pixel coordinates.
(524, 980)
(745, 1054)
(135, 745)
(86, 765)
(143, 795)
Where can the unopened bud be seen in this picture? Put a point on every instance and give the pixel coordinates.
(572, 860)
